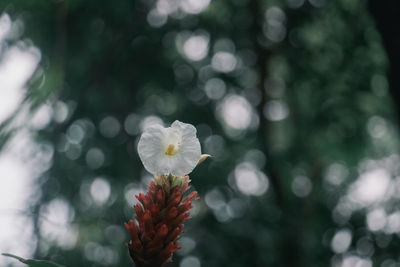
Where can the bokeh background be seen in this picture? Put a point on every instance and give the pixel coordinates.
(291, 97)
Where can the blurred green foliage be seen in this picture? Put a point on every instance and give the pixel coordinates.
(290, 98)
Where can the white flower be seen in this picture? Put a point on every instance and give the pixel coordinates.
(174, 150)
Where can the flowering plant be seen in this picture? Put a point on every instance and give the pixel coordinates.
(168, 153)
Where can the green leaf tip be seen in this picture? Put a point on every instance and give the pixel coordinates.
(32, 262)
(41, 263)
(13, 256)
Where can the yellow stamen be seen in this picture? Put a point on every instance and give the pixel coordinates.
(171, 151)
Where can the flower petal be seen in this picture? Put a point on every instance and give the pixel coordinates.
(154, 142)
(150, 148)
(190, 151)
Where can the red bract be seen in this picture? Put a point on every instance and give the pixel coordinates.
(160, 219)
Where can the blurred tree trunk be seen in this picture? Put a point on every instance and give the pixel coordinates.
(289, 244)
(387, 18)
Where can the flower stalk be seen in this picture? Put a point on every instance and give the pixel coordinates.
(160, 216)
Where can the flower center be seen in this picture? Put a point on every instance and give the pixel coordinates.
(171, 151)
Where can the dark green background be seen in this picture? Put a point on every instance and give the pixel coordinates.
(327, 69)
